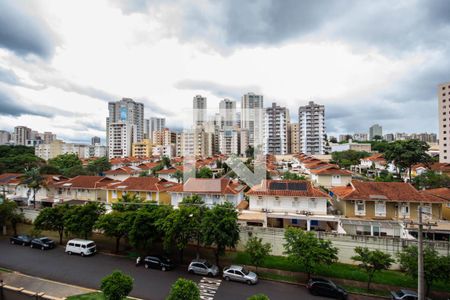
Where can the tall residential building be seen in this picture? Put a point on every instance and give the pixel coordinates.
(153, 124)
(126, 119)
(444, 122)
(227, 110)
(199, 107)
(5, 137)
(375, 130)
(164, 137)
(294, 144)
(21, 135)
(252, 117)
(389, 137)
(142, 148)
(362, 137)
(196, 143)
(276, 122)
(95, 140)
(57, 147)
(311, 120)
(48, 137)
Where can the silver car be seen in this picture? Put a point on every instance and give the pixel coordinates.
(203, 267)
(405, 295)
(239, 273)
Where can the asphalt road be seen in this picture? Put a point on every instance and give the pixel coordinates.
(148, 284)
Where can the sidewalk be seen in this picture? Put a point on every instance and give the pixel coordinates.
(39, 285)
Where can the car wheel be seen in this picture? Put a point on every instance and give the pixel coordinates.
(69, 252)
(210, 274)
(227, 278)
(313, 292)
(23, 244)
(249, 282)
(82, 254)
(42, 248)
(12, 242)
(31, 246)
(146, 266)
(191, 271)
(163, 268)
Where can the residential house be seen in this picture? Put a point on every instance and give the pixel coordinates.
(330, 176)
(82, 188)
(212, 191)
(147, 188)
(443, 193)
(284, 203)
(123, 173)
(383, 208)
(169, 174)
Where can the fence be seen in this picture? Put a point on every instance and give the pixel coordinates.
(345, 243)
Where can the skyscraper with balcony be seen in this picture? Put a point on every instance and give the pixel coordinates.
(199, 106)
(124, 126)
(312, 130)
(252, 117)
(375, 131)
(444, 122)
(276, 123)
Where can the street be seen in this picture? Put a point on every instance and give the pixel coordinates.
(148, 284)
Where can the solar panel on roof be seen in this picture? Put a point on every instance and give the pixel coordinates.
(297, 186)
(278, 186)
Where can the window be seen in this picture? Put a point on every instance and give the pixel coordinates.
(114, 194)
(277, 201)
(259, 202)
(426, 211)
(404, 209)
(380, 208)
(149, 195)
(294, 221)
(295, 202)
(360, 208)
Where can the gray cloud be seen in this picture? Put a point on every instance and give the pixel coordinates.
(10, 106)
(220, 90)
(8, 76)
(22, 32)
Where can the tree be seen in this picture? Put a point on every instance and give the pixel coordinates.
(379, 146)
(347, 158)
(258, 297)
(178, 175)
(116, 286)
(80, 220)
(293, 176)
(431, 180)
(114, 224)
(198, 207)
(165, 162)
(405, 154)
(52, 219)
(98, 166)
(333, 140)
(128, 202)
(304, 248)
(15, 159)
(435, 266)
(184, 289)
(33, 179)
(372, 261)
(250, 151)
(68, 164)
(257, 251)
(7, 212)
(220, 228)
(204, 172)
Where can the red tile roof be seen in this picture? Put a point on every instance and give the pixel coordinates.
(267, 188)
(389, 191)
(375, 157)
(124, 170)
(441, 167)
(331, 170)
(144, 184)
(224, 186)
(86, 182)
(439, 192)
(9, 178)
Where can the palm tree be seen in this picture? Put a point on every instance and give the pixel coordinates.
(34, 181)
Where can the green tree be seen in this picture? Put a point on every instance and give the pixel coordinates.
(405, 154)
(372, 261)
(178, 175)
(8, 213)
(128, 202)
(116, 286)
(80, 220)
(257, 250)
(431, 180)
(165, 162)
(204, 172)
(52, 219)
(114, 224)
(258, 297)
(184, 289)
(15, 159)
(293, 176)
(220, 228)
(33, 179)
(68, 164)
(379, 146)
(434, 265)
(304, 248)
(98, 166)
(198, 207)
(347, 158)
(250, 151)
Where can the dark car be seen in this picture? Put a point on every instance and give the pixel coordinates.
(158, 262)
(23, 240)
(326, 288)
(43, 243)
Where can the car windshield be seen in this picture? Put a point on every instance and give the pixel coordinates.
(90, 245)
(208, 265)
(45, 240)
(245, 271)
(400, 293)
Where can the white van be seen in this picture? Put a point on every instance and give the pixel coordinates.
(82, 247)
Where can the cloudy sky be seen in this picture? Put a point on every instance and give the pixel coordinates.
(367, 61)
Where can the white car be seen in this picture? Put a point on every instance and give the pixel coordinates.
(82, 247)
(203, 267)
(239, 273)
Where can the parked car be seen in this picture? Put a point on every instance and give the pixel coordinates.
(203, 267)
(404, 295)
(43, 243)
(82, 247)
(239, 273)
(326, 288)
(158, 262)
(23, 240)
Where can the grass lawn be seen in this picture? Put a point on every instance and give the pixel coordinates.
(5, 270)
(89, 296)
(339, 270)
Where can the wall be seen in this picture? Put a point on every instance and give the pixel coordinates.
(345, 243)
(318, 206)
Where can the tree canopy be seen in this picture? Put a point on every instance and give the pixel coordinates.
(347, 158)
(98, 166)
(184, 289)
(116, 286)
(15, 159)
(79, 220)
(114, 224)
(431, 180)
(52, 218)
(293, 176)
(257, 250)
(68, 164)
